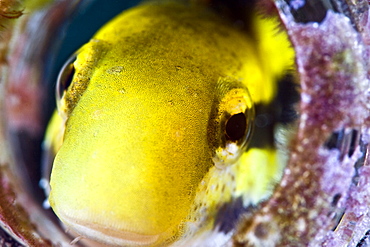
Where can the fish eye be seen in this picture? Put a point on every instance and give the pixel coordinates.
(65, 78)
(230, 127)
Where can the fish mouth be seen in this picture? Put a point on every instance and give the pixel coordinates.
(108, 234)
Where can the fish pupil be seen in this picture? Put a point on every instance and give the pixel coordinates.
(236, 126)
(65, 77)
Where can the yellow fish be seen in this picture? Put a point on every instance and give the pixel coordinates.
(155, 135)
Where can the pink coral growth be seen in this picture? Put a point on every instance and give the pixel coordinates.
(318, 183)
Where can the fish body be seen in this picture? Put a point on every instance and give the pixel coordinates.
(155, 132)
